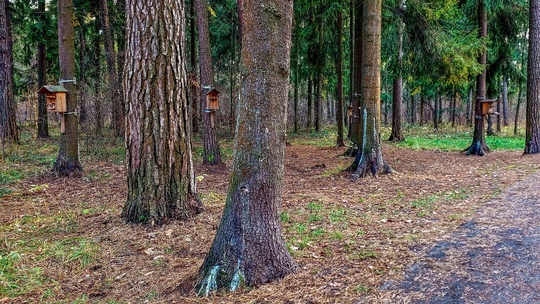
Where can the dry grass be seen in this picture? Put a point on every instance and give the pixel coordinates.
(348, 237)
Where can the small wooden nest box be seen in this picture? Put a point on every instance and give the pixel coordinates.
(56, 98)
(487, 106)
(212, 100)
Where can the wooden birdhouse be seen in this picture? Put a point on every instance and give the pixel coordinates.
(56, 98)
(486, 106)
(212, 100)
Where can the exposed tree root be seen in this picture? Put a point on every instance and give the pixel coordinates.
(476, 149)
(370, 164)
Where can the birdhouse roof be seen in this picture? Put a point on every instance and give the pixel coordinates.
(52, 89)
(212, 90)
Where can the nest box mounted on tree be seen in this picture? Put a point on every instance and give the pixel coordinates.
(487, 106)
(212, 100)
(56, 98)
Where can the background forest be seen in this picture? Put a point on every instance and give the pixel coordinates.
(408, 77)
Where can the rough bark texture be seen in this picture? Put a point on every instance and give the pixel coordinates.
(42, 121)
(339, 89)
(161, 183)
(532, 133)
(114, 83)
(396, 134)
(194, 88)
(355, 126)
(8, 108)
(67, 162)
(212, 153)
(249, 247)
(369, 159)
(478, 146)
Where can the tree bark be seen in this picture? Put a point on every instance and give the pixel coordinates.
(161, 183)
(110, 56)
(505, 101)
(369, 159)
(249, 247)
(396, 134)
(194, 87)
(532, 126)
(318, 77)
(8, 107)
(469, 103)
(355, 132)
(68, 163)
(43, 122)
(212, 153)
(296, 73)
(339, 89)
(309, 103)
(478, 146)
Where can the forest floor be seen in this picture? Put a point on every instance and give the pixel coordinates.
(354, 241)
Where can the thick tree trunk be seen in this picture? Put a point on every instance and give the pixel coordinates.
(8, 107)
(249, 247)
(43, 123)
(532, 127)
(110, 56)
(355, 132)
(478, 146)
(161, 183)
(67, 162)
(369, 159)
(212, 154)
(339, 89)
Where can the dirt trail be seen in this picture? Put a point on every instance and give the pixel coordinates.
(494, 258)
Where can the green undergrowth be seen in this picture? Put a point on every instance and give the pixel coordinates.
(458, 139)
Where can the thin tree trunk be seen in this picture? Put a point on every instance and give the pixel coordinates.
(309, 103)
(212, 154)
(532, 127)
(110, 56)
(454, 106)
(83, 113)
(319, 76)
(296, 73)
(67, 162)
(194, 88)
(43, 122)
(97, 75)
(422, 109)
(505, 101)
(436, 111)
(161, 182)
(396, 134)
(469, 103)
(339, 89)
(249, 248)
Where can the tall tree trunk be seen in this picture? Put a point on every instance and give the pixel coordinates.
(369, 159)
(422, 108)
(8, 107)
(120, 55)
(505, 101)
(249, 247)
(532, 127)
(413, 109)
(43, 122)
(454, 106)
(194, 88)
(319, 76)
(110, 56)
(67, 163)
(296, 72)
(212, 154)
(96, 49)
(469, 103)
(436, 103)
(478, 146)
(309, 103)
(339, 89)
(161, 183)
(397, 92)
(351, 64)
(355, 132)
